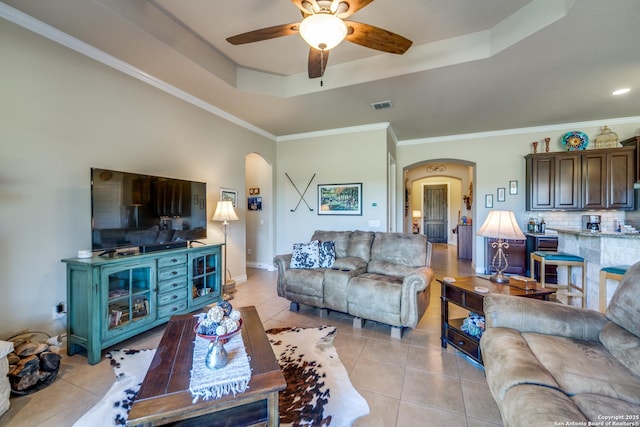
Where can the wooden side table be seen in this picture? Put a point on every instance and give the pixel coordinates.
(462, 294)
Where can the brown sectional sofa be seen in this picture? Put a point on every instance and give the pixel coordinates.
(377, 276)
(548, 364)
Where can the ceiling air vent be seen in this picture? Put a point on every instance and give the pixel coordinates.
(382, 105)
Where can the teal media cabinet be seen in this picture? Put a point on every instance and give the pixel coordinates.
(112, 299)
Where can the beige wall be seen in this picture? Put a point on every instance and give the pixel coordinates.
(355, 157)
(62, 113)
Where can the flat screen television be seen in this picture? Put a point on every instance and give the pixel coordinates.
(131, 210)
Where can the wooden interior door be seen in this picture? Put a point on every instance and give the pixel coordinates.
(435, 213)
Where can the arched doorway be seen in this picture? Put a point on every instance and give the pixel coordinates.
(438, 190)
(260, 235)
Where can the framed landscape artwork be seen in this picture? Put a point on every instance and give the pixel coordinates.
(340, 199)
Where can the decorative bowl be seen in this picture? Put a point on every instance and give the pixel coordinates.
(215, 338)
(575, 140)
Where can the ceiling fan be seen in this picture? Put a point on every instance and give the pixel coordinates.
(324, 27)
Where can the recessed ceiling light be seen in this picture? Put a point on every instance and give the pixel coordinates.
(621, 91)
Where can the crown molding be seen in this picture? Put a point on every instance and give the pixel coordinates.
(520, 131)
(336, 131)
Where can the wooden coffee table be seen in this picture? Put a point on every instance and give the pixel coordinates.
(164, 396)
(462, 293)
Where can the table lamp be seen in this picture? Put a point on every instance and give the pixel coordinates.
(416, 221)
(501, 225)
(225, 213)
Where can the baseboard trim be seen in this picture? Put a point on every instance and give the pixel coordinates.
(240, 279)
(261, 266)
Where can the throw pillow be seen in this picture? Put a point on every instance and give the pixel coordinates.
(327, 254)
(305, 255)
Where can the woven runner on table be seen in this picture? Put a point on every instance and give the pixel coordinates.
(233, 378)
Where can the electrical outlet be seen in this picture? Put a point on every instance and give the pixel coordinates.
(249, 251)
(55, 314)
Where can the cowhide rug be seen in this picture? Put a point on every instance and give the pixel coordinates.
(129, 367)
(318, 393)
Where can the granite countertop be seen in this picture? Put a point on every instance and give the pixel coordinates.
(587, 233)
(549, 233)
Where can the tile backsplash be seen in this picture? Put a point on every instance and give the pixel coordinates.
(571, 220)
(633, 218)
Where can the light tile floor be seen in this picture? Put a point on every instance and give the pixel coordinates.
(408, 382)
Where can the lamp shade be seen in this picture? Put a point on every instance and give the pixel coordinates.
(501, 225)
(225, 212)
(323, 31)
(417, 214)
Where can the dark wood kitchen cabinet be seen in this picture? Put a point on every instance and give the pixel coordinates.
(608, 179)
(634, 142)
(553, 181)
(594, 177)
(620, 178)
(567, 175)
(580, 180)
(540, 182)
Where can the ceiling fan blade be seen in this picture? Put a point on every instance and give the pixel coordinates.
(305, 6)
(353, 7)
(335, 4)
(264, 34)
(317, 62)
(376, 38)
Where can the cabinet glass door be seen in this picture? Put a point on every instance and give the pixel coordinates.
(204, 277)
(129, 296)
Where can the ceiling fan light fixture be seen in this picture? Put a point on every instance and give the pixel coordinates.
(323, 31)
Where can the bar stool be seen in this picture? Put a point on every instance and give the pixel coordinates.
(615, 272)
(570, 290)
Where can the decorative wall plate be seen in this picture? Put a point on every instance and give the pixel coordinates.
(575, 140)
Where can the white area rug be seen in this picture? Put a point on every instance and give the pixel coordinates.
(319, 392)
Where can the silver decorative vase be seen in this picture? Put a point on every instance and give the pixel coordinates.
(216, 355)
